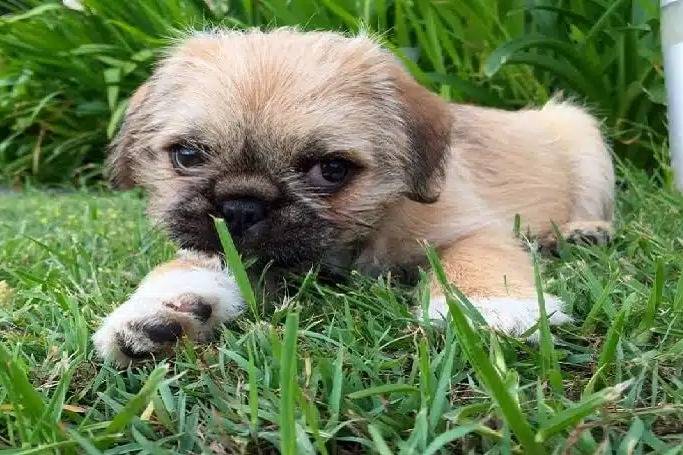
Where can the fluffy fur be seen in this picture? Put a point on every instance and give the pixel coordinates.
(191, 295)
(513, 316)
(262, 106)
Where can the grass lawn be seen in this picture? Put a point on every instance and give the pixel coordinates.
(370, 377)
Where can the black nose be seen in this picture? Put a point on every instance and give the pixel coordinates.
(242, 213)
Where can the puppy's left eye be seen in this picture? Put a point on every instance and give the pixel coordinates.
(184, 157)
(330, 174)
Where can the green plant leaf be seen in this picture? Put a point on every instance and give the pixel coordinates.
(288, 384)
(138, 402)
(570, 417)
(236, 266)
(383, 390)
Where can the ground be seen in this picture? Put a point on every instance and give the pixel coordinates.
(369, 375)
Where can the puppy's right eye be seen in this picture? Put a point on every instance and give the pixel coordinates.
(329, 175)
(184, 157)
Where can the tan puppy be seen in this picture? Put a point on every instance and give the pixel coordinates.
(319, 149)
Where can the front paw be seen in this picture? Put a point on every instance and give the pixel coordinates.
(168, 305)
(509, 315)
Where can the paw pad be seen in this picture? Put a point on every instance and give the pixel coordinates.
(191, 304)
(164, 332)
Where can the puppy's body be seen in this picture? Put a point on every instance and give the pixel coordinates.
(546, 165)
(265, 115)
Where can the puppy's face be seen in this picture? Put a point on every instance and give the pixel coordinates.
(300, 141)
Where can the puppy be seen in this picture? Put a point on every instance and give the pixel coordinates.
(320, 149)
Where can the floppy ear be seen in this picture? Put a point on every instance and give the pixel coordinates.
(120, 160)
(428, 121)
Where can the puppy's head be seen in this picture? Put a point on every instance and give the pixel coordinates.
(300, 141)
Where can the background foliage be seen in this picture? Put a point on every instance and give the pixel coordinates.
(66, 74)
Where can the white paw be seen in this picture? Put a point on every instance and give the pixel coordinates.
(509, 315)
(167, 305)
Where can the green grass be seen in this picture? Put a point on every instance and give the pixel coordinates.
(339, 370)
(65, 75)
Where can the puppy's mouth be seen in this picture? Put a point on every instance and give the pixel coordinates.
(289, 240)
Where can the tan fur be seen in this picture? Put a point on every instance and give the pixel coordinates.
(187, 260)
(452, 175)
(548, 165)
(528, 163)
(488, 264)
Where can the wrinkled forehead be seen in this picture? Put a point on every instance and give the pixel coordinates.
(226, 93)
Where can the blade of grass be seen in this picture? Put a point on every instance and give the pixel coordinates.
(139, 402)
(678, 298)
(383, 390)
(87, 445)
(347, 18)
(417, 442)
(401, 24)
(336, 392)
(440, 397)
(601, 21)
(380, 444)
(655, 299)
(27, 400)
(426, 377)
(570, 417)
(614, 333)
(60, 446)
(234, 261)
(589, 322)
(253, 387)
(632, 437)
(449, 436)
(550, 368)
(56, 404)
(288, 384)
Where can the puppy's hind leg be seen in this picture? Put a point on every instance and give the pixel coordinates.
(495, 273)
(578, 233)
(591, 176)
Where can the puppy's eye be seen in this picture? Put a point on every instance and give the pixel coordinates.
(184, 157)
(330, 174)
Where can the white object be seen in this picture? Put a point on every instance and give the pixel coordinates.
(153, 304)
(672, 45)
(510, 315)
(74, 4)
